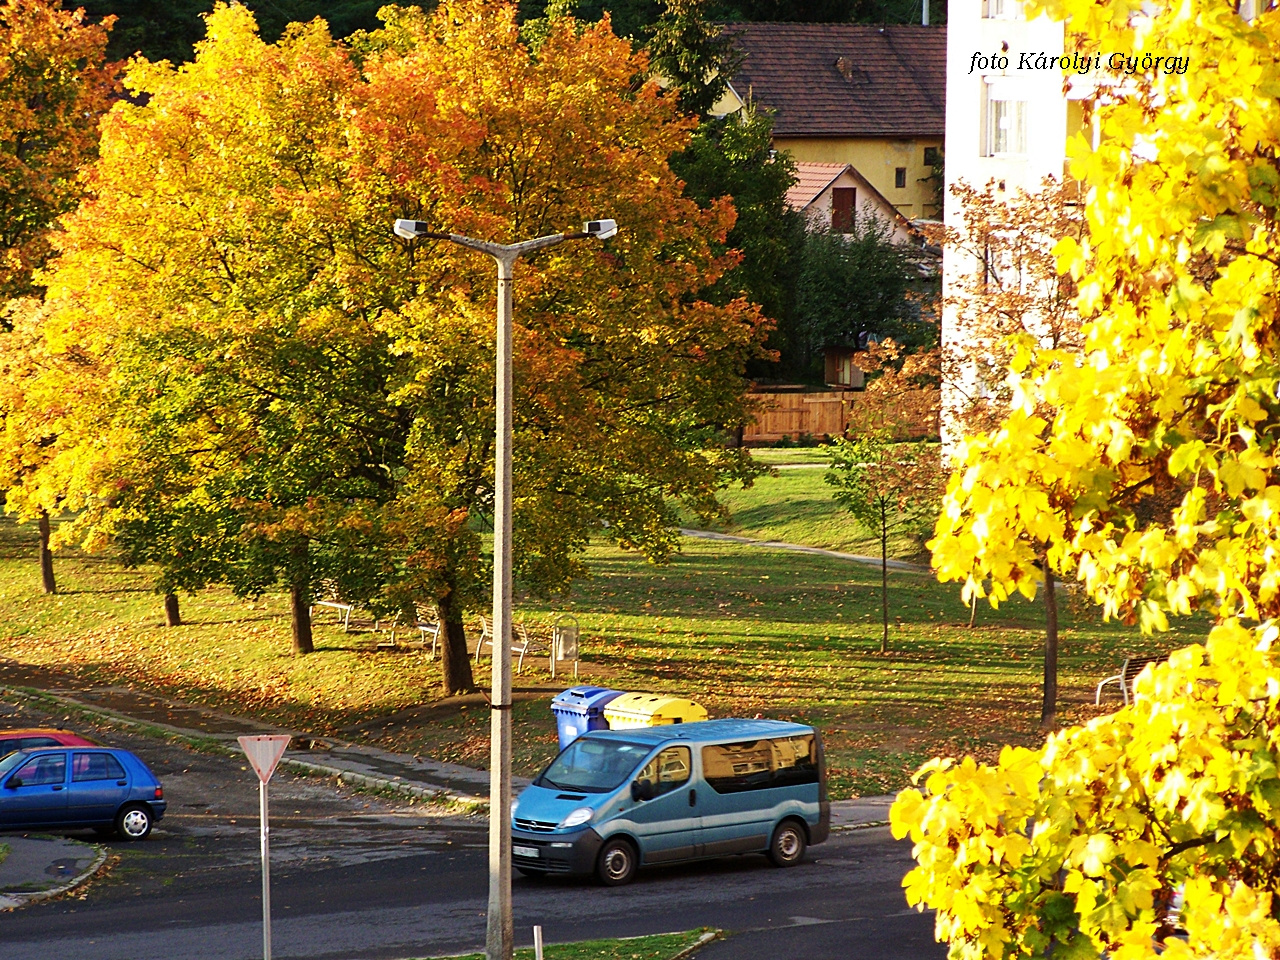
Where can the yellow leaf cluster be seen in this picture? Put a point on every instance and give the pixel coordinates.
(1084, 845)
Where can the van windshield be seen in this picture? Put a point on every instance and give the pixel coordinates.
(589, 765)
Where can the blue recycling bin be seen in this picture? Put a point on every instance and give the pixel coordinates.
(580, 709)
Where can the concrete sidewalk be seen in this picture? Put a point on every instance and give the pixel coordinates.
(40, 866)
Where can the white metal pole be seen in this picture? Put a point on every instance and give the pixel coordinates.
(500, 933)
(537, 943)
(266, 870)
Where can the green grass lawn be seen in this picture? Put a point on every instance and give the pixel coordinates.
(660, 947)
(741, 629)
(795, 506)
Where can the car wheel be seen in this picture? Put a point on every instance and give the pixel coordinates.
(617, 863)
(133, 822)
(788, 844)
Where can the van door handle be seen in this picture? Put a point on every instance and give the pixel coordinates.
(693, 798)
(57, 788)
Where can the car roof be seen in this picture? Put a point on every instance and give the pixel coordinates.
(704, 730)
(38, 732)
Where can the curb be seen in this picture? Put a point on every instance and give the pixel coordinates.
(440, 795)
(693, 948)
(846, 827)
(11, 901)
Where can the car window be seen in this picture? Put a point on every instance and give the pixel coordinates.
(668, 770)
(8, 746)
(760, 764)
(42, 770)
(9, 762)
(591, 765)
(95, 766)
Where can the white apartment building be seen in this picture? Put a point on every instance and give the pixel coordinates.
(1007, 124)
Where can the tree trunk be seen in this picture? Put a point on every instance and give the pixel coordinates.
(300, 615)
(1049, 709)
(884, 577)
(46, 555)
(973, 610)
(172, 615)
(300, 597)
(455, 661)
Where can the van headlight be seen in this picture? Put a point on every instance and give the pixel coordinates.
(577, 818)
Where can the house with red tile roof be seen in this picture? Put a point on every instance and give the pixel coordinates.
(831, 195)
(873, 97)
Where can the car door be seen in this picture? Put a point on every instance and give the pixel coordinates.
(99, 786)
(737, 813)
(667, 825)
(36, 793)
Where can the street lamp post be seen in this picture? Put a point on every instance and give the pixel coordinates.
(500, 934)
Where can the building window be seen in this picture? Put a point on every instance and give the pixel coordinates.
(1002, 10)
(842, 205)
(899, 177)
(931, 156)
(1006, 127)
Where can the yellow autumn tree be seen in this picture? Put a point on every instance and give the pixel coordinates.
(1147, 462)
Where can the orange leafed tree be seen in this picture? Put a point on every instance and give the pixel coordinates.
(53, 88)
(309, 400)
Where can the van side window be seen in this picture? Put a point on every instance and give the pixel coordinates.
(669, 770)
(760, 764)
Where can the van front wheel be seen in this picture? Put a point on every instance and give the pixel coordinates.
(787, 847)
(617, 863)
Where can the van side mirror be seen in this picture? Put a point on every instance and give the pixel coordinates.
(642, 790)
(13, 783)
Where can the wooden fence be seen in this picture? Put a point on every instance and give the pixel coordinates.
(821, 414)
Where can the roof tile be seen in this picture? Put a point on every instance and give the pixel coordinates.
(845, 79)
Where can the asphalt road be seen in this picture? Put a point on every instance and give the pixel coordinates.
(355, 877)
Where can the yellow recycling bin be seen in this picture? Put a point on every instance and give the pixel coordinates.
(650, 710)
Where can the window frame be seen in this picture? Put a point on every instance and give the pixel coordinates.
(1015, 140)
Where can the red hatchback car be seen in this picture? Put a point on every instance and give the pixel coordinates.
(11, 740)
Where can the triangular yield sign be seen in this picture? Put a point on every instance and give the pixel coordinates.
(264, 753)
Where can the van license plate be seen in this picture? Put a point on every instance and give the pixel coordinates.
(524, 851)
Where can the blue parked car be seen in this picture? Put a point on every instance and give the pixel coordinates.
(71, 788)
(615, 800)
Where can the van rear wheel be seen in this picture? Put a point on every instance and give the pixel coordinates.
(617, 863)
(788, 844)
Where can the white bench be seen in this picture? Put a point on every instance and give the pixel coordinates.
(1129, 671)
(344, 611)
(521, 642)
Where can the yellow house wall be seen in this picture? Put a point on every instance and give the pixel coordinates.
(875, 159)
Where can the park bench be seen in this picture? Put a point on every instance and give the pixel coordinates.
(521, 641)
(426, 625)
(1129, 671)
(334, 602)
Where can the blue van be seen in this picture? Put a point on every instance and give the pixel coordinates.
(616, 800)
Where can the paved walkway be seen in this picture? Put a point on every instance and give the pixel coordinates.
(46, 866)
(39, 867)
(800, 548)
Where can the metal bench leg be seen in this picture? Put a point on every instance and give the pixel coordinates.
(1097, 697)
